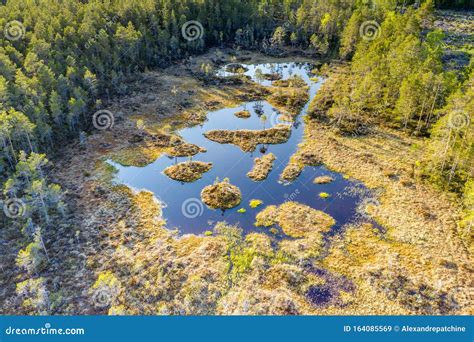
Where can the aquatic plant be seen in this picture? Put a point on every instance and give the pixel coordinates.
(324, 195)
(273, 230)
(255, 203)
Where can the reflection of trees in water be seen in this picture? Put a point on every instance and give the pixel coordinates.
(258, 108)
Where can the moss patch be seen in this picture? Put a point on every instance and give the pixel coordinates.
(189, 171)
(248, 140)
(221, 195)
(262, 167)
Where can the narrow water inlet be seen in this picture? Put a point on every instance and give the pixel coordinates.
(183, 208)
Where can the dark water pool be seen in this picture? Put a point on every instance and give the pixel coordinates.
(183, 208)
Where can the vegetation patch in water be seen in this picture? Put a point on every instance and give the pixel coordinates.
(291, 96)
(262, 167)
(189, 171)
(292, 82)
(236, 68)
(296, 220)
(222, 195)
(255, 203)
(243, 114)
(272, 76)
(324, 195)
(248, 140)
(323, 180)
(297, 163)
(185, 150)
